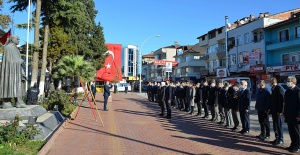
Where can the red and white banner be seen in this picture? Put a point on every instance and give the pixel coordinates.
(112, 70)
(163, 62)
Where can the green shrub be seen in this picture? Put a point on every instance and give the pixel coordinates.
(12, 134)
(65, 103)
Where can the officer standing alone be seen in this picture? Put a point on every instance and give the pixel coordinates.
(32, 95)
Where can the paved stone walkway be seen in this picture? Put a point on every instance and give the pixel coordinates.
(132, 126)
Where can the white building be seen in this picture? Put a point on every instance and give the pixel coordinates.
(129, 62)
(189, 63)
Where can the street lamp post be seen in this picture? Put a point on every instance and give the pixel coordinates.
(140, 59)
(226, 45)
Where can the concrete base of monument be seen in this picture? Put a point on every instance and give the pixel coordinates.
(47, 121)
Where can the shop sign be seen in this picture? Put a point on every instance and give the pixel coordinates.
(257, 69)
(283, 68)
(163, 62)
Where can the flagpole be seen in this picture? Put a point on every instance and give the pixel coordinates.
(27, 40)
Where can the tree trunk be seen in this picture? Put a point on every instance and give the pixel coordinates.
(35, 59)
(44, 59)
(50, 67)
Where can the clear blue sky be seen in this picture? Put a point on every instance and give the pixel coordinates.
(132, 21)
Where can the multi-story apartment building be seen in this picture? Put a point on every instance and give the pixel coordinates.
(147, 61)
(189, 63)
(130, 69)
(214, 43)
(246, 45)
(283, 48)
(158, 72)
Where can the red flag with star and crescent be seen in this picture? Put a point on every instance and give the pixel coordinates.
(4, 38)
(111, 71)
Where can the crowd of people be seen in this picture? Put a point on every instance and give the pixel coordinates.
(229, 105)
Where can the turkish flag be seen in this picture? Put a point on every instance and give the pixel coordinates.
(112, 69)
(3, 39)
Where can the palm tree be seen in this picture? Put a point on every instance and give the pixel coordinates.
(74, 66)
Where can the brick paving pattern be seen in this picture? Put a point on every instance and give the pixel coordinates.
(132, 126)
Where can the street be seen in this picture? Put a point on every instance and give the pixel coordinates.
(132, 126)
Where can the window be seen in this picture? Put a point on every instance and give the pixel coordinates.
(232, 59)
(196, 57)
(213, 48)
(283, 35)
(297, 30)
(239, 40)
(222, 62)
(212, 35)
(247, 38)
(211, 65)
(196, 69)
(219, 31)
(255, 37)
(178, 71)
(261, 36)
(203, 38)
(215, 63)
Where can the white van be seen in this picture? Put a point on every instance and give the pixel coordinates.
(233, 80)
(121, 86)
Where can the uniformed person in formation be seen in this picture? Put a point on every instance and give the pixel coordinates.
(32, 95)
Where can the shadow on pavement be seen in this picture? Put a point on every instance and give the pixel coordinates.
(207, 132)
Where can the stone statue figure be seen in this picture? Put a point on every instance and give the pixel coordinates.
(12, 75)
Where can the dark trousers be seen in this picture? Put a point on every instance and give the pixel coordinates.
(213, 111)
(149, 96)
(294, 131)
(277, 126)
(187, 104)
(245, 120)
(126, 90)
(162, 107)
(199, 107)
(235, 118)
(182, 103)
(205, 107)
(263, 119)
(169, 108)
(152, 97)
(105, 102)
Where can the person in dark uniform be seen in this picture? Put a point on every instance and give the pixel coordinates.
(126, 87)
(263, 107)
(276, 109)
(177, 95)
(33, 95)
(292, 113)
(106, 94)
(234, 105)
(226, 105)
(115, 88)
(212, 100)
(182, 96)
(205, 93)
(221, 95)
(153, 92)
(161, 97)
(149, 91)
(168, 99)
(187, 97)
(93, 88)
(47, 87)
(244, 107)
(198, 99)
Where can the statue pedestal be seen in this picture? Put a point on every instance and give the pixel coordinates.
(47, 121)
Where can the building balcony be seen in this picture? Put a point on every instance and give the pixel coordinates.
(206, 57)
(191, 63)
(221, 54)
(284, 63)
(283, 43)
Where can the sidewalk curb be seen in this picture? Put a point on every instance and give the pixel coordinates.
(56, 133)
